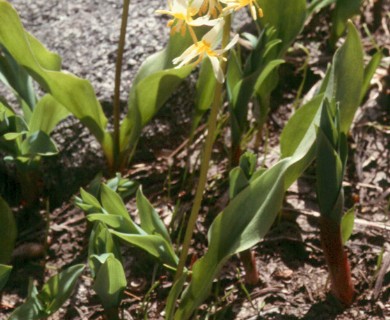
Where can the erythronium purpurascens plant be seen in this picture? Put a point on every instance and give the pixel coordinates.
(331, 163)
(154, 83)
(255, 196)
(252, 211)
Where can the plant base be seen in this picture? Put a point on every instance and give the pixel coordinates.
(336, 258)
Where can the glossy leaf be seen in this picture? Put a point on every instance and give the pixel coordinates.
(8, 232)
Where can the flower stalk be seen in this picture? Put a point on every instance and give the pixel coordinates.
(118, 73)
(211, 128)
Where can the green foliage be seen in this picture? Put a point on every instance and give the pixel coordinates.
(154, 83)
(331, 158)
(110, 280)
(52, 296)
(5, 271)
(252, 211)
(287, 19)
(258, 66)
(8, 232)
(151, 236)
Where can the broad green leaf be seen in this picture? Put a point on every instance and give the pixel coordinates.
(241, 225)
(110, 282)
(73, 93)
(343, 85)
(329, 177)
(114, 205)
(347, 223)
(155, 245)
(5, 271)
(8, 232)
(52, 296)
(112, 202)
(346, 78)
(154, 84)
(150, 220)
(303, 120)
(46, 115)
(38, 143)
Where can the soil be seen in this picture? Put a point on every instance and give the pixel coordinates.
(290, 260)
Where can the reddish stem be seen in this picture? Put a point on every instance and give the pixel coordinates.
(336, 258)
(248, 260)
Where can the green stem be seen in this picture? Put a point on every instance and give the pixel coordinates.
(204, 167)
(118, 72)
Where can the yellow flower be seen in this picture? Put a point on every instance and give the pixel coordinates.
(206, 48)
(183, 13)
(239, 4)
